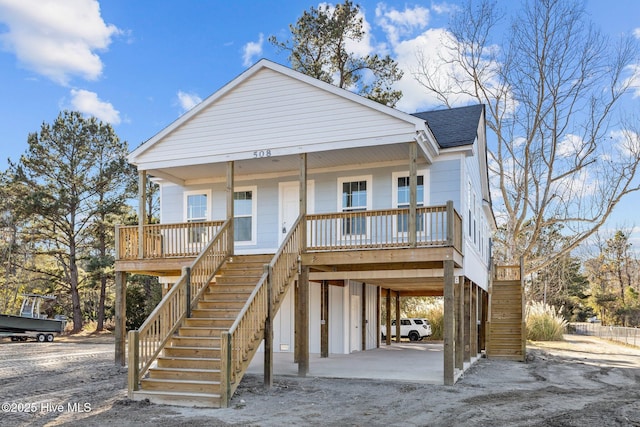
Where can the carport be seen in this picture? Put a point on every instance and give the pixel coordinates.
(405, 361)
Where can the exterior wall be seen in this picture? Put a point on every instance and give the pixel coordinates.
(476, 229)
(441, 179)
(261, 108)
(340, 327)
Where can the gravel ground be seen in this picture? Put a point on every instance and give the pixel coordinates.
(582, 381)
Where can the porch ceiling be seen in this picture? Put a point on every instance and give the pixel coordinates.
(264, 164)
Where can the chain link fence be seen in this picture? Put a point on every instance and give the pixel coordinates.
(629, 336)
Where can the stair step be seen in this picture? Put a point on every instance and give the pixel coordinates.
(220, 303)
(201, 331)
(202, 400)
(189, 362)
(200, 352)
(212, 322)
(195, 341)
(220, 313)
(185, 374)
(192, 386)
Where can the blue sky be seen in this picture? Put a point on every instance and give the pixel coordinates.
(140, 64)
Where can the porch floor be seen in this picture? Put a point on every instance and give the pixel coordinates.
(406, 361)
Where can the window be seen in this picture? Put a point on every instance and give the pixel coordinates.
(244, 209)
(354, 199)
(403, 190)
(197, 210)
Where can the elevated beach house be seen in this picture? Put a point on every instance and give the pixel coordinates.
(291, 212)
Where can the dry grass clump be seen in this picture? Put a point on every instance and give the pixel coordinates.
(544, 322)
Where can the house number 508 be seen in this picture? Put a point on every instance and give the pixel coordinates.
(261, 153)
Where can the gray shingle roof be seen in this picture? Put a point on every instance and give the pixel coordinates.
(453, 127)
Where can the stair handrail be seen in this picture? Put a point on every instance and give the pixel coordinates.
(146, 343)
(240, 342)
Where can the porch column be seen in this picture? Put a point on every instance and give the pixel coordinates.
(467, 320)
(324, 321)
(413, 192)
(449, 324)
(398, 317)
(387, 339)
(303, 329)
(230, 203)
(142, 207)
(121, 318)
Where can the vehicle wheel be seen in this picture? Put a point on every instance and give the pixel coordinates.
(414, 336)
(14, 339)
(41, 338)
(49, 337)
(383, 337)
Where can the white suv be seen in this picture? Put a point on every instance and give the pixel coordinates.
(414, 329)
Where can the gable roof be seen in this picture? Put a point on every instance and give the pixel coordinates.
(453, 127)
(203, 117)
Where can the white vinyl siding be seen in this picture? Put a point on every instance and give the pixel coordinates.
(322, 120)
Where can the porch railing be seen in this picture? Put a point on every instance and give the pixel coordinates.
(146, 343)
(385, 228)
(165, 240)
(240, 343)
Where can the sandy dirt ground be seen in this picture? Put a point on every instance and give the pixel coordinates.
(582, 381)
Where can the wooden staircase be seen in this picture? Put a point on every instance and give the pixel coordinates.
(506, 324)
(188, 372)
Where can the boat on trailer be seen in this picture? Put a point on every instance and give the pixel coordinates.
(31, 323)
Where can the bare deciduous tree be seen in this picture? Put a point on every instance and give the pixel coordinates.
(553, 94)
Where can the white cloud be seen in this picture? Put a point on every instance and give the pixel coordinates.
(636, 33)
(88, 103)
(252, 50)
(56, 38)
(401, 23)
(188, 100)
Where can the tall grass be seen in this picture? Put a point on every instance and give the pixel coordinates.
(544, 323)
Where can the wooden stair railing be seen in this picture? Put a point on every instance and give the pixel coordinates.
(241, 342)
(146, 343)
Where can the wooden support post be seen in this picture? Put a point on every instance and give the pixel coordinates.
(296, 321)
(413, 192)
(363, 318)
(449, 324)
(483, 320)
(303, 330)
(460, 323)
(186, 271)
(378, 314)
(268, 332)
(230, 207)
(225, 369)
(324, 319)
(121, 317)
(450, 224)
(142, 214)
(473, 345)
(467, 320)
(134, 360)
(398, 330)
(388, 318)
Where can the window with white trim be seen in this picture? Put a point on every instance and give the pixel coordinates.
(244, 211)
(402, 190)
(196, 209)
(354, 196)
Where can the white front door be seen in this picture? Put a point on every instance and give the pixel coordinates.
(290, 205)
(356, 333)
